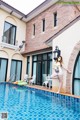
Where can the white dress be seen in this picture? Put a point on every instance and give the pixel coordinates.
(57, 69)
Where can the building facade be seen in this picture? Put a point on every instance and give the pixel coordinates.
(50, 24)
(68, 41)
(40, 29)
(12, 33)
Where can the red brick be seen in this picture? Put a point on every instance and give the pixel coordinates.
(66, 13)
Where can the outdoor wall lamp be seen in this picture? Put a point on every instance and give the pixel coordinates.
(56, 53)
(20, 46)
(23, 41)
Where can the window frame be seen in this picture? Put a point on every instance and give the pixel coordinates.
(34, 30)
(42, 60)
(43, 25)
(75, 78)
(10, 32)
(55, 19)
(28, 63)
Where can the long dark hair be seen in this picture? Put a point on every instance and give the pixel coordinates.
(61, 60)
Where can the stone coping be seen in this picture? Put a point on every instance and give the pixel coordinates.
(47, 91)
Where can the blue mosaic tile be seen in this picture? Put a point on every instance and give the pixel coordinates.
(25, 103)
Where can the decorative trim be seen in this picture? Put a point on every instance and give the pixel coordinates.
(5, 45)
(72, 59)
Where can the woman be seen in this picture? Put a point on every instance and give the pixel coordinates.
(58, 71)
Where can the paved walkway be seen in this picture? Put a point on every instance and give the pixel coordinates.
(47, 89)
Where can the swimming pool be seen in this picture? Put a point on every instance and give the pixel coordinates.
(24, 103)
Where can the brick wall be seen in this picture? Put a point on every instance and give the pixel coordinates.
(66, 13)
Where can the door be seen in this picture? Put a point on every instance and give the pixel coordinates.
(76, 77)
(39, 81)
(3, 69)
(16, 69)
(41, 67)
(44, 71)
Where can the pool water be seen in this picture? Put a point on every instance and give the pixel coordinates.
(23, 104)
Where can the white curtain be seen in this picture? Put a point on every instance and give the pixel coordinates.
(13, 71)
(18, 71)
(3, 65)
(34, 68)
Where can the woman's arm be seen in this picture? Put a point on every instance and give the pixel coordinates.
(66, 69)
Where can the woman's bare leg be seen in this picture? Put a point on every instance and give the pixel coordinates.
(53, 76)
(60, 83)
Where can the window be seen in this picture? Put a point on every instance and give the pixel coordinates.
(33, 29)
(3, 69)
(76, 76)
(55, 19)
(44, 56)
(28, 65)
(16, 70)
(9, 35)
(43, 25)
(42, 66)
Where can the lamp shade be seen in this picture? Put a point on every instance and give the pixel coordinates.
(56, 53)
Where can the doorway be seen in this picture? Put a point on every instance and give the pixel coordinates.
(3, 69)
(16, 70)
(41, 67)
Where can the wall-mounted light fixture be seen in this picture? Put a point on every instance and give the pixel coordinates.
(56, 53)
(21, 46)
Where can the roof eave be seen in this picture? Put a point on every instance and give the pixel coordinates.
(42, 7)
(12, 11)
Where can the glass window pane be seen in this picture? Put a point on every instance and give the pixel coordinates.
(49, 67)
(12, 71)
(18, 71)
(44, 56)
(12, 35)
(77, 69)
(3, 65)
(33, 29)
(49, 56)
(44, 71)
(34, 58)
(28, 65)
(28, 59)
(55, 19)
(34, 68)
(44, 67)
(43, 25)
(39, 57)
(15, 72)
(76, 87)
(38, 82)
(28, 69)
(9, 34)
(6, 32)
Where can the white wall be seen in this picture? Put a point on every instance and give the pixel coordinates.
(7, 51)
(21, 26)
(66, 42)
